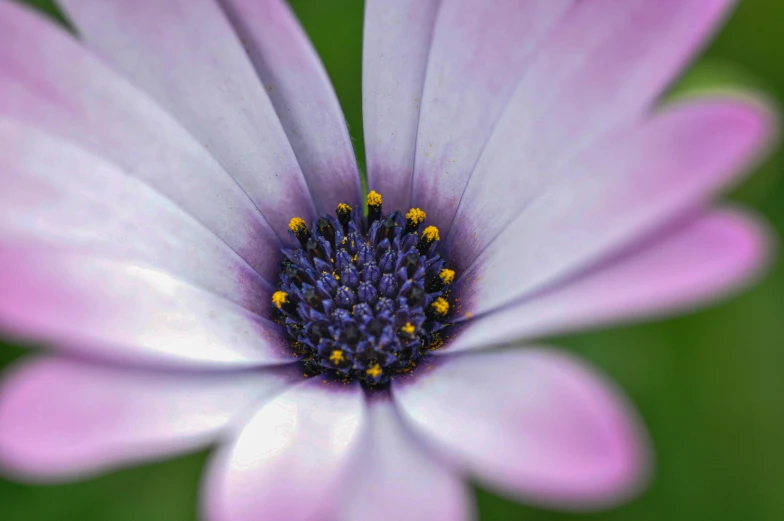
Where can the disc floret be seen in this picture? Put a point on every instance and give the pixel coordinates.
(364, 299)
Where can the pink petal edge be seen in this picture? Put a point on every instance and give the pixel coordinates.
(63, 419)
(709, 257)
(532, 423)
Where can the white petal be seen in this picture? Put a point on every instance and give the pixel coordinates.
(291, 459)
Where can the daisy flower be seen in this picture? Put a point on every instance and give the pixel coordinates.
(182, 223)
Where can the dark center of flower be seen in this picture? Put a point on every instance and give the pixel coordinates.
(364, 298)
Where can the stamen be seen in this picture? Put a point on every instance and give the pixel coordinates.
(374, 202)
(344, 216)
(447, 276)
(374, 371)
(429, 236)
(414, 218)
(374, 198)
(408, 331)
(440, 306)
(299, 228)
(279, 298)
(337, 356)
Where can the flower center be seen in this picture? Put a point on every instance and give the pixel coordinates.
(364, 298)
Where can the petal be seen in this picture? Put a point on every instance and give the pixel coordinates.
(57, 194)
(696, 263)
(48, 80)
(480, 51)
(290, 460)
(61, 419)
(398, 479)
(534, 423)
(303, 97)
(186, 55)
(123, 312)
(396, 45)
(596, 75)
(624, 191)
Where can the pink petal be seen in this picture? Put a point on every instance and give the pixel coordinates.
(119, 311)
(186, 55)
(533, 423)
(290, 461)
(397, 479)
(397, 38)
(479, 53)
(619, 194)
(596, 75)
(61, 419)
(50, 81)
(708, 257)
(303, 97)
(54, 193)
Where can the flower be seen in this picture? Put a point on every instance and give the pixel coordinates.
(522, 181)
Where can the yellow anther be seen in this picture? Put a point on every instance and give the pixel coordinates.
(297, 225)
(416, 216)
(431, 234)
(408, 328)
(337, 356)
(279, 298)
(440, 306)
(374, 198)
(375, 371)
(447, 275)
(344, 208)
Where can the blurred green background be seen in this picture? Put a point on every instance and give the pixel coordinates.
(710, 386)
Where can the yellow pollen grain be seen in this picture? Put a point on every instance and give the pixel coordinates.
(279, 298)
(408, 328)
(447, 275)
(440, 306)
(374, 198)
(337, 356)
(431, 234)
(374, 371)
(297, 224)
(343, 207)
(416, 215)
